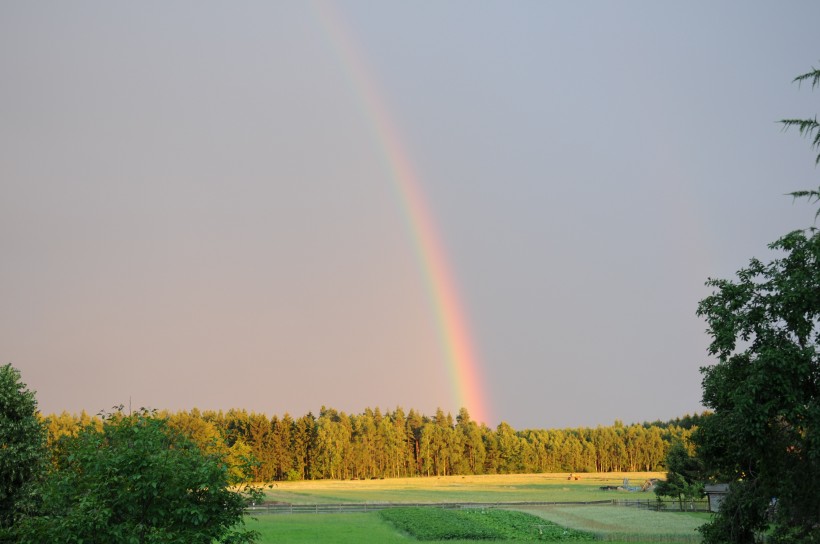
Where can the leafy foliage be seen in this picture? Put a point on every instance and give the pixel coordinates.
(136, 480)
(765, 391)
(441, 524)
(743, 515)
(22, 444)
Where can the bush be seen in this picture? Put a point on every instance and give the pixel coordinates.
(136, 481)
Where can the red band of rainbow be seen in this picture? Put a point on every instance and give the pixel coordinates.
(463, 368)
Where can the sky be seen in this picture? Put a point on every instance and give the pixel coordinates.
(277, 206)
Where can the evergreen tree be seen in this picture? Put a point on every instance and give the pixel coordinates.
(683, 477)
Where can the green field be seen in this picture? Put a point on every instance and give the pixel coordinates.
(627, 524)
(612, 524)
(605, 522)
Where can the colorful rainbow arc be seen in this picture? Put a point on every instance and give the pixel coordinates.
(462, 365)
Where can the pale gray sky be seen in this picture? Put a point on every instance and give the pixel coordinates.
(196, 211)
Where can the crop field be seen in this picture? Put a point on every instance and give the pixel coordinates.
(548, 523)
(429, 524)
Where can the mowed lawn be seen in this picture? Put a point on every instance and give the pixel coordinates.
(624, 523)
(612, 524)
(609, 523)
(330, 528)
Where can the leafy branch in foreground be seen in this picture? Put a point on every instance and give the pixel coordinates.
(809, 128)
(811, 195)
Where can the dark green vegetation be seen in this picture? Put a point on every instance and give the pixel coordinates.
(396, 444)
(441, 524)
(132, 479)
(764, 435)
(22, 446)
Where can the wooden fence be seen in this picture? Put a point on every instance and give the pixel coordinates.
(666, 505)
(346, 508)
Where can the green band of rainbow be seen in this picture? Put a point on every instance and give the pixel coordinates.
(451, 320)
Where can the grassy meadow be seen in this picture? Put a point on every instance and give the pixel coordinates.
(485, 488)
(603, 522)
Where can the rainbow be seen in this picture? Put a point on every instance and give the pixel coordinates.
(462, 362)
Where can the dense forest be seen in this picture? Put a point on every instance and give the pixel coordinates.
(374, 444)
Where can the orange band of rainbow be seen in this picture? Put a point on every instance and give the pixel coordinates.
(463, 367)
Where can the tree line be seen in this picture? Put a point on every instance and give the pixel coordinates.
(391, 444)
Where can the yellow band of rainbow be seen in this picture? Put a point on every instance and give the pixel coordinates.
(462, 363)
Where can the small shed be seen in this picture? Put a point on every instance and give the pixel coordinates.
(715, 494)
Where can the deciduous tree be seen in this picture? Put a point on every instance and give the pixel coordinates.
(765, 388)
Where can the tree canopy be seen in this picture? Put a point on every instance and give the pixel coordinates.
(395, 443)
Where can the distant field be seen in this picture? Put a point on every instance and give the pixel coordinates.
(488, 488)
(609, 523)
